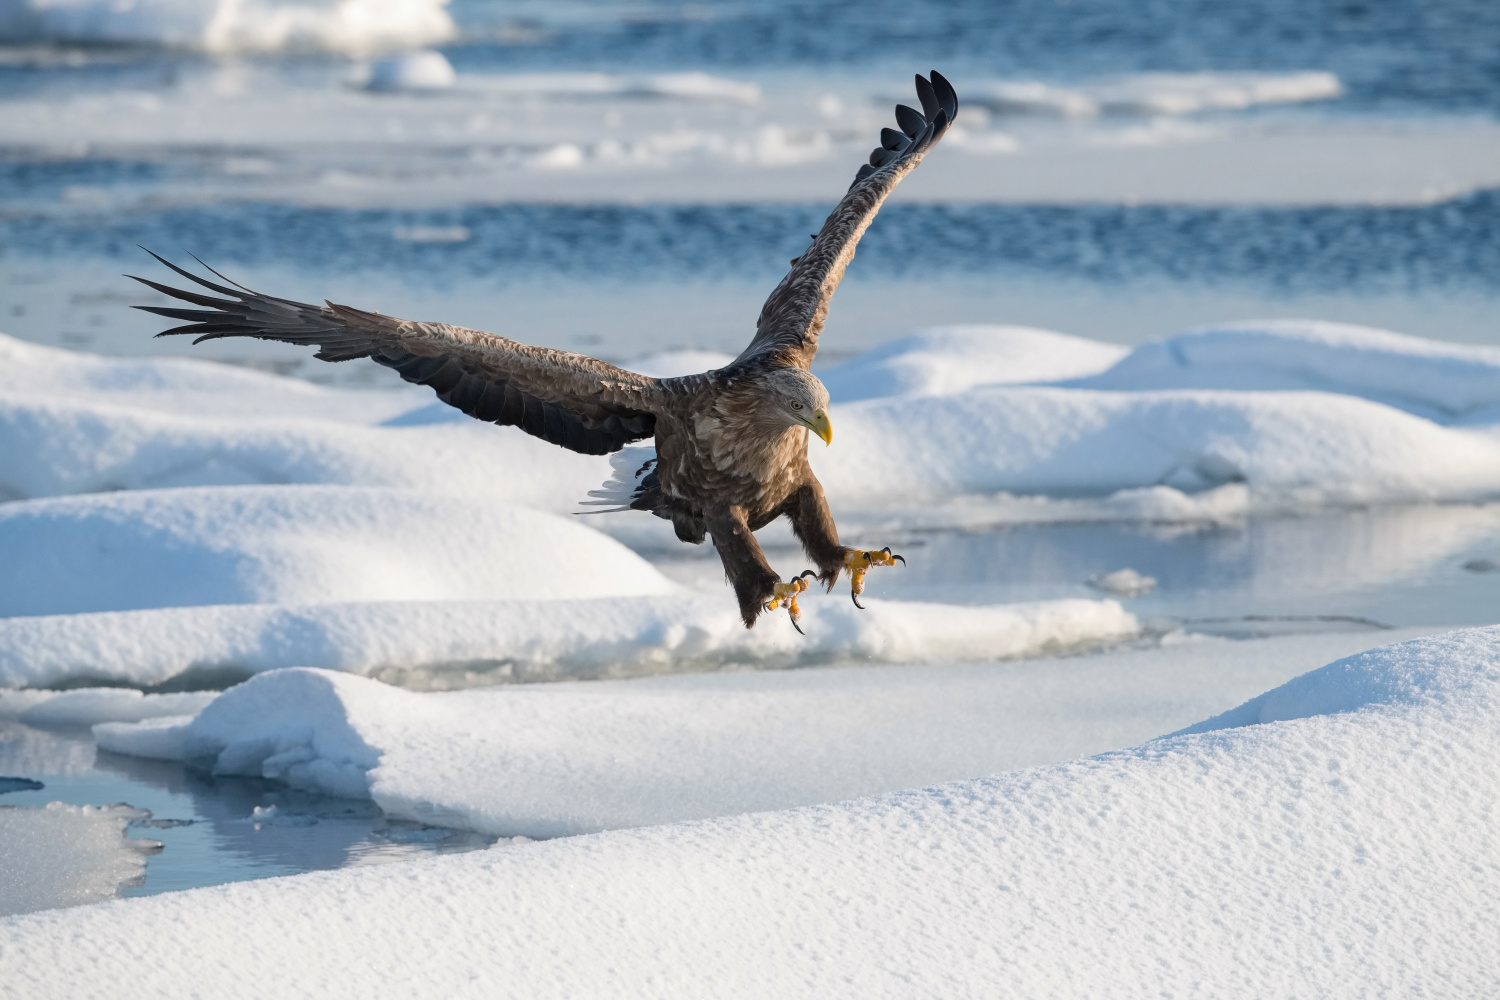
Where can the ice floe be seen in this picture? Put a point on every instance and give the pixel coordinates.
(1347, 846)
(428, 643)
(289, 545)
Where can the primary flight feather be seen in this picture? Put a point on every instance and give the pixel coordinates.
(731, 444)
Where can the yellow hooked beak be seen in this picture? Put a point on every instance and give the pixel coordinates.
(820, 425)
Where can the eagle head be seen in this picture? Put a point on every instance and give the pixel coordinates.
(792, 397)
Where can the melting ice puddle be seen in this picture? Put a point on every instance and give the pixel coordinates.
(213, 829)
(1337, 571)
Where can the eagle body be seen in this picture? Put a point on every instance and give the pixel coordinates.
(731, 445)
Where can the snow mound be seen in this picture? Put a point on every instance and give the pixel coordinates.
(62, 855)
(453, 644)
(1330, 855)
(948, 359)
(1440, 381)
(350, 26)
(1290, 449)
(295, 544)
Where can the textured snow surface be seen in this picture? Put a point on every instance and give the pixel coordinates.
(291, 544)
(453, 643)
(1349, 851)
(62, 855)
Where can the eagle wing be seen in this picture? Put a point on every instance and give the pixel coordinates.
(578, 402)
(793, 316)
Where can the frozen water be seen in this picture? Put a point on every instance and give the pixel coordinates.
(1333, 853)
(62, 855)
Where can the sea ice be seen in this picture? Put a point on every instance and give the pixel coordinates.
(1348, 847)
(62, 855)
(297, 544)
(429, 643)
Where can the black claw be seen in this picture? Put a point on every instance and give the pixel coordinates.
(804, 573)
(797, 627)
(855, 598)
(902, 558)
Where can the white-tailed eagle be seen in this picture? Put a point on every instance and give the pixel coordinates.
(731, 444)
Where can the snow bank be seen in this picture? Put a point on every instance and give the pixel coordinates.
(297, 544)
(351, 26)
(451, 644)
(90, 706)
(62, 855)
(1443, 382)
(1332, 855)
(949, 359)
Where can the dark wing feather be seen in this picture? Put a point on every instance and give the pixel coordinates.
(578, 402)
(792, 318)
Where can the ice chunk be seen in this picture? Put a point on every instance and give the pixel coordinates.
(62, 855)
(87, 706)
(280, 544)
(423, 70)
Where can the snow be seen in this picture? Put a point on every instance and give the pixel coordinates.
(1445, 383)
(287, 545)
(90, 706)
(350, 26)
(62, 855)
(1325, 854)
(423, 70)
(949, 359)
(428, 643)
(1155, 94)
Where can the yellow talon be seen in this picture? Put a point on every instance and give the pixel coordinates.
(859, 562)
(787, 593)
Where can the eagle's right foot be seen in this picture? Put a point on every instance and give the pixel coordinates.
(859, 562)
(786, 593)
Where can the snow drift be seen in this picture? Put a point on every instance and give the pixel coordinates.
(1332, 854)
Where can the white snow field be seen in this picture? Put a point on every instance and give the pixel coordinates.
(1334, 837)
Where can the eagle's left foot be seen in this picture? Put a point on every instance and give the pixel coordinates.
(786, 593)
(859, 562)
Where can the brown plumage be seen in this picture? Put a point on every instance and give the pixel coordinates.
(731, 444)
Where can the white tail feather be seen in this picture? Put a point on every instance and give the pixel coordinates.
(630, 465)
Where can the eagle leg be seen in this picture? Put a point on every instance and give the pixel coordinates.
(787, 592)
(860, 561)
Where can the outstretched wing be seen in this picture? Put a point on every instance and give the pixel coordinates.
(793, 316)
(568, 399)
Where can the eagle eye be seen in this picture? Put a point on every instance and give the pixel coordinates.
(796, 406)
